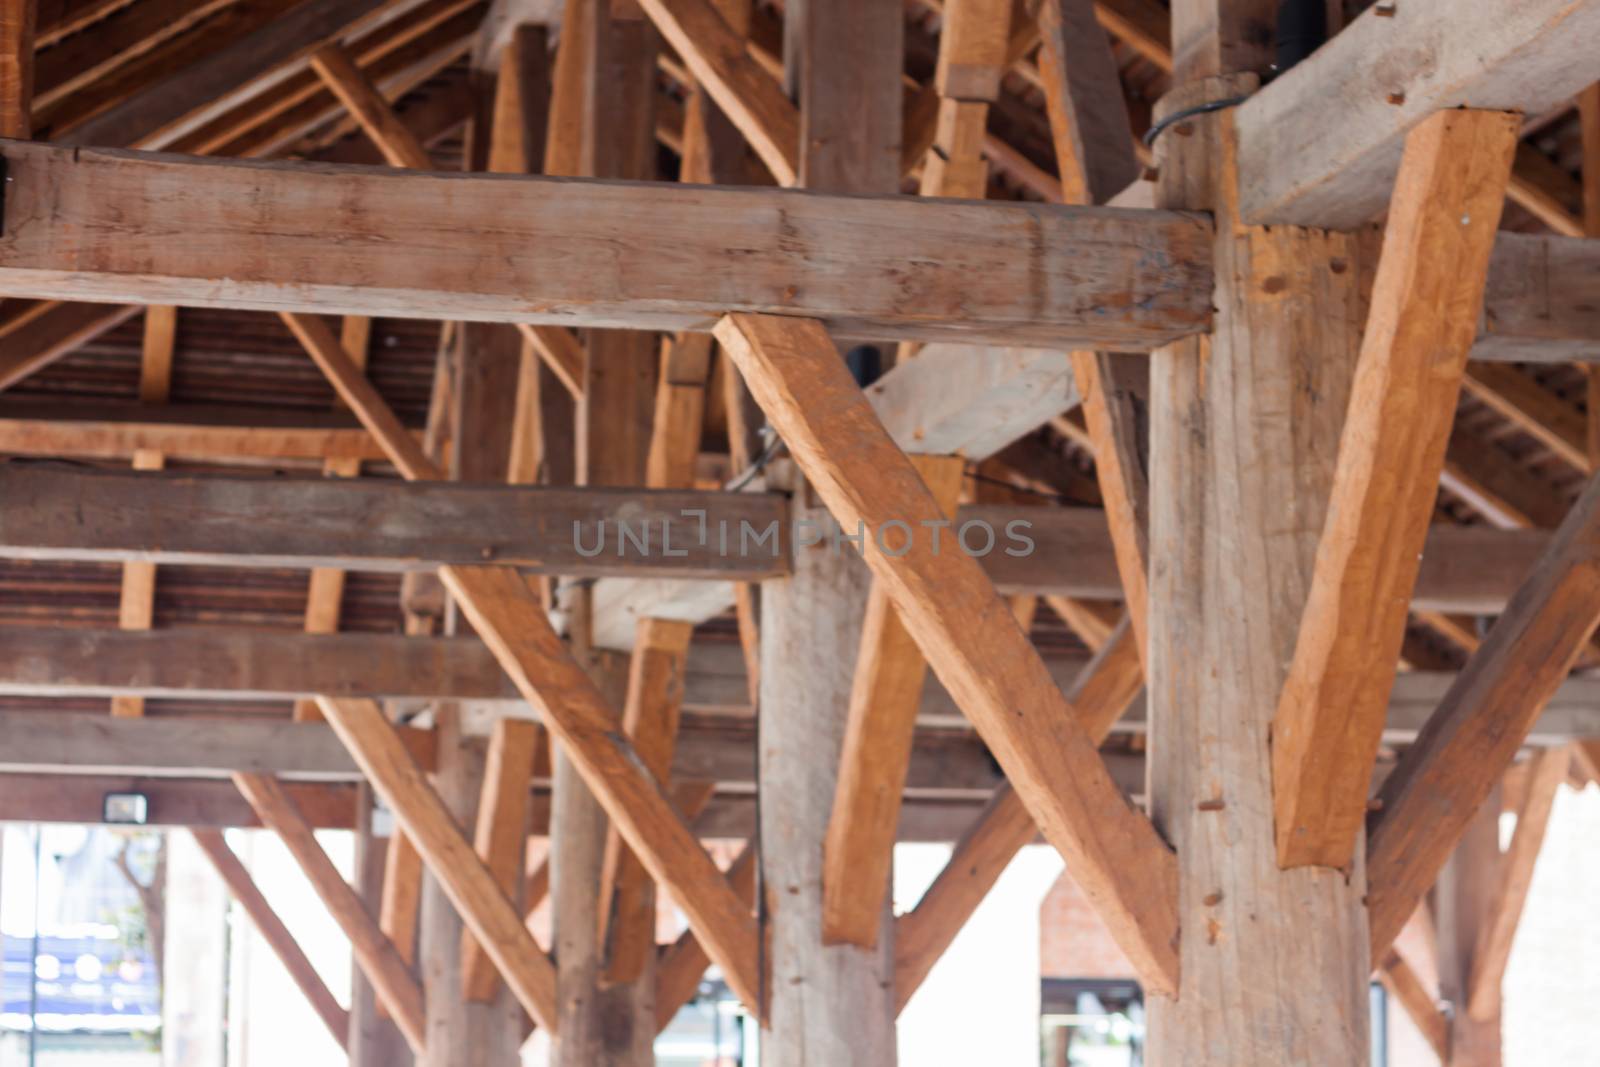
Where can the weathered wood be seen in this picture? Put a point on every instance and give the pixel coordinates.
(1548, 418)
(963, 399)
(983, 273)
(966, 632)
(717, 57)
(511, 621)
(1492, 951)
(1244, 430)
(1463, 907)
(1481, 722)
(276, 935)
(18, 21)
(382, 526)
(1390, 69)
(1088, 115)
(384, 968)
(172, 105)
(1101, 693)
(471, 887)
(875, 751)
(117, 430)
(1429, 289)
(651, 707)
(51, 334)
(500, 834)
(362, 99)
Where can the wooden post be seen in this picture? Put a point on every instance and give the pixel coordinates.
(602, 1024)
(1245, 426)
(1464, 901)
(17, 19)
(374, 1040)
(827, 1004)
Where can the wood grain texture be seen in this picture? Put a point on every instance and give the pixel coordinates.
(1428, 294)
(383, 966)
(717, 57)
(18, 22)
(512, 622)
(651, 707)
(1244, 432)
(966, 632)
(274, 932)
(1083, 94)
(413, 244)
(362, 99)
(470, 885)
(1482, 720)
(173, 103)
(500, 834)
(1322, 143)
(880, 723)
(1102, 692)
(1492, 951)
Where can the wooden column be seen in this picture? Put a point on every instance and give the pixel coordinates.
(1464, 901)
(827, 1004)
(613, 76)
(1245, 428)
(374, 1040)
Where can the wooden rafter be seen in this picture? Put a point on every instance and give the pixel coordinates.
(500, 834)
(384, 968)
(274, 932)
(1474, 734)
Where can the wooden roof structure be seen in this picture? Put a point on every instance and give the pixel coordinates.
(336, 334)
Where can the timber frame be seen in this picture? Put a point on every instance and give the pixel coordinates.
(367, 387)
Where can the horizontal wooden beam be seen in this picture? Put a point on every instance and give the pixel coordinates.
(211, 802)
(376, 525)
(1539, 302)
(254, 666)
(115, 430)
(1320, 145)
(377, 241)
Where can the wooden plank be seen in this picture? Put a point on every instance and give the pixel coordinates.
(1429, 289)
(850, 99)
(717, 57)
(881, 719)
(1088, 115)
(274, 933)
(384, 968)
(383, 526)
(1100, 694)
(656, 674)
(1546, 417)
(1538, 304)
(59, 330)
(361, 98)
(401, 901)
(966, 632)
(1482, 720)
(500, 835)
(1492, 952)
(471, 887)
(18, 20)
(970, 400)
(165, 109)
(992, 273)
(1387, 71)
(116, 430)
(511, 621)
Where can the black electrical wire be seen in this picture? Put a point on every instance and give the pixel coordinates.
(1155, 131)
